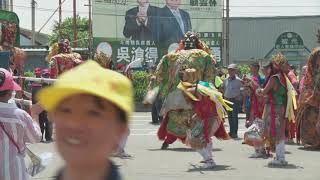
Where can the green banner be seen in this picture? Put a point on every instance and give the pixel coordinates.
(289, 40)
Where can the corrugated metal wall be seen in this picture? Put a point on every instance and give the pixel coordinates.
(255, 37)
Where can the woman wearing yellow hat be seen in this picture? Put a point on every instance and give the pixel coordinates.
(91, 112)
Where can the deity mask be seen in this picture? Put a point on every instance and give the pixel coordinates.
(9, 34)
(64, 46)
(190, 40)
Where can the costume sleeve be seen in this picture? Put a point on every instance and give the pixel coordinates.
(162, 76)
(53, 68)
(218, 82)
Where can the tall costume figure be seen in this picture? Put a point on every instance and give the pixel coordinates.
(308, 115)
(61, 58)
(193, 109)
(253, 135)
(279, 108)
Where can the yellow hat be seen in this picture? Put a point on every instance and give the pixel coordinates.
(90, 78)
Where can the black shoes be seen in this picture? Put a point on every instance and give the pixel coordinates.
(164, 146)
(233, 136)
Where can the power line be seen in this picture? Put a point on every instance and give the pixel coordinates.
(85, 12)
(122, 15)
(51, 16)
(133, 2)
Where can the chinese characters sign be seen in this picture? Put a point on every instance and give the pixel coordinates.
(148, 29)
(289, 40)
(134, 50)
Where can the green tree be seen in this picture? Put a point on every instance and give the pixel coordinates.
(243, 69)
(140, 81)
(67, 31)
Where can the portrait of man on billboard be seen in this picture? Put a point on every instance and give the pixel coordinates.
(175, 22)
(142, 22)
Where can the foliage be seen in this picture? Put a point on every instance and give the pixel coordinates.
(140, 80)
(26, 83)
(28, 74)
(243, 69)
(67, 31)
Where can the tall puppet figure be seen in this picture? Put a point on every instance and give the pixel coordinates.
(193, 109)
(279, 109)
(61, 58)
(308, 115)
(104, 60)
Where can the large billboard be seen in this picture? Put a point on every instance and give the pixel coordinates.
(147, 29)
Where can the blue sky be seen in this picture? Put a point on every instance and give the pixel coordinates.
(246, 8)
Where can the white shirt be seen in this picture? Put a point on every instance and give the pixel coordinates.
(177, 15)
(20, 126)
(144, 8)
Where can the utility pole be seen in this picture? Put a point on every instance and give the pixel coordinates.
(11, 5)
(60, 19)
(90, 30)
(75, 41)
(227, 32)
(33, 6)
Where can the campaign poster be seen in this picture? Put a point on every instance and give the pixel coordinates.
(128, 30)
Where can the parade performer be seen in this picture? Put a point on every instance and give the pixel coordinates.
(253, 135)
(193, 108)
(104, 60)
(279, 109)
(250, 84)
(308, 115)
(61, 58)
(17, 56)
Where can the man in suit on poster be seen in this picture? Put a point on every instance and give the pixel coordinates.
(142, 22)
(175, 22)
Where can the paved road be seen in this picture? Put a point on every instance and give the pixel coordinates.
(180, 162)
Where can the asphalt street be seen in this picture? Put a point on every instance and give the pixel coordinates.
(181, 162)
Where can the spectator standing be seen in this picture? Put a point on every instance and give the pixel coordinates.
(16, 129)
(231, 88)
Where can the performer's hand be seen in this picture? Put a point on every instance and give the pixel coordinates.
(244, 108)
(259, 92)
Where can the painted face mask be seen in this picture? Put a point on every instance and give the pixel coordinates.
(190, 40)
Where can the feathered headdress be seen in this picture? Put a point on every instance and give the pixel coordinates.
(103, 59)
(278, 60)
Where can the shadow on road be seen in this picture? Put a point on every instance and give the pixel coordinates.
(309, 149)
(197, 168)
(182, 149)
(289, 166)
(237, 139)
(174, 149)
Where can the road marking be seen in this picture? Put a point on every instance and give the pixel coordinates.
(142, 134)
(134, 124)
(143, 129)
(149, 116)
(141, 120)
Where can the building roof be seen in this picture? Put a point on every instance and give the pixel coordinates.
(40, 39)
